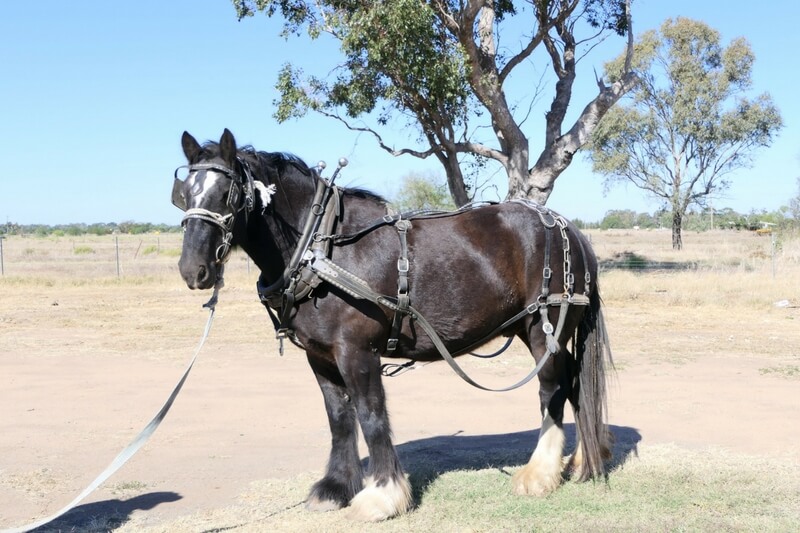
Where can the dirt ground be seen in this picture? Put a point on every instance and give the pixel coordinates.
(85, 367)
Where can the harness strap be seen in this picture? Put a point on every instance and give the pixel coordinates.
(296, 282)
(403, 300)
(388, 220)
(358, 288)
(587, 276)
(223, 222)
(310, 262)
(547, 274)
(437, 341)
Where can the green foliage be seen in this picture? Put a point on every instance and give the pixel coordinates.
(689, 123)
(618, 219)
(423, 191)
(99, 229)
(74, 230)
(395, 52)
(83, 250)
(697, 220)
(440, 67)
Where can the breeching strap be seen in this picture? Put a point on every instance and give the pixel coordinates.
(140, 439)
(355, 286)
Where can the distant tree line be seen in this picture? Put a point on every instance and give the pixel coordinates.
(727, 218)
(111, 228)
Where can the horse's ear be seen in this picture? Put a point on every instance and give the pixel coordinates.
(227, 148)
(191, 148)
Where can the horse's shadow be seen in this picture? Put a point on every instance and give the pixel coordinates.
(427, 459)
(424, 459)
(107, 515)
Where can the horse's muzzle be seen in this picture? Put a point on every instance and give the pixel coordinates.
(198, 276)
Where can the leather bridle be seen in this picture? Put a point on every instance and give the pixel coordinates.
(240, 198)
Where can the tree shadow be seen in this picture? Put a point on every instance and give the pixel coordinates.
(107, 515)
(427, 459)
(632, 261)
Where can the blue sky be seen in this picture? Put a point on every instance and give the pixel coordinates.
(94, 96)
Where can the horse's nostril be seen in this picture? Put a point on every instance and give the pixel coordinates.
(202, 273)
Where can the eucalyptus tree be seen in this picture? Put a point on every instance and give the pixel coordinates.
(689, 122)
(439, 64)
(422, 191)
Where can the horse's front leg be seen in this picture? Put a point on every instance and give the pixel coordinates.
(343, 478)
(387, 492)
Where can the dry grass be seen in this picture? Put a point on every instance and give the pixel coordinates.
(723, 306)
(664, 488)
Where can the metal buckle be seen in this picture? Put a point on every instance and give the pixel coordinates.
(402, 265)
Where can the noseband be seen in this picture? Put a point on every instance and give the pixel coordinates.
(240, 186)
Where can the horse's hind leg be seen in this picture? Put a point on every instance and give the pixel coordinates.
(387, 492)
(343, 477)
(542, 474)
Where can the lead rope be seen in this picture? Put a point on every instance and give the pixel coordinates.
(143, 435)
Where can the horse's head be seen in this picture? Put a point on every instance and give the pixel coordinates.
(213, 193)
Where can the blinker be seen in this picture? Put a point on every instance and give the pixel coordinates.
(180, 200)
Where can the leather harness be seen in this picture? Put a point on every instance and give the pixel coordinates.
(311, 265)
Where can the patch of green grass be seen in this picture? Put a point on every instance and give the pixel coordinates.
(126, 487)
(663, 488)
(150, 249)
(83, 249)
(784, 371)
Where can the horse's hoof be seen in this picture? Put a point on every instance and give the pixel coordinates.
(379, 502)
(328, 495)
(533, 480)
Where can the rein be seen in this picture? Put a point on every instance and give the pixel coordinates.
(140, 439)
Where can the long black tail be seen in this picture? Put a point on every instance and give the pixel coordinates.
(592, 353)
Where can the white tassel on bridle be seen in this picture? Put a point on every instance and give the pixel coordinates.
(264, 192)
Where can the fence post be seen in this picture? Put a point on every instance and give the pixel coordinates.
(773, 255)
(2, 265)
(116, 245)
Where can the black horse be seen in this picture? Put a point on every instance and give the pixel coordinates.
(350, 283)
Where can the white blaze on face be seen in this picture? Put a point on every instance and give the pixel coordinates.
(204, 185)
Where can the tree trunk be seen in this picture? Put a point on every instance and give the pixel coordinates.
(455, 178)
(677, 222)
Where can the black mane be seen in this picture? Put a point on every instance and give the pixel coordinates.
(272, 164)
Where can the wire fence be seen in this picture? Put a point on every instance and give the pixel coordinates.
(93, 257)
(156, 254)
